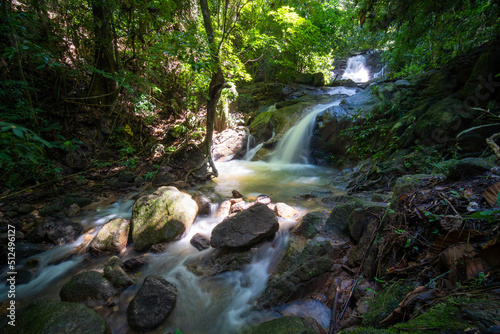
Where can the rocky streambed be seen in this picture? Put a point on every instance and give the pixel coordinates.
(403, 242)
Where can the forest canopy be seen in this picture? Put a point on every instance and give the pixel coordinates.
(68, 64)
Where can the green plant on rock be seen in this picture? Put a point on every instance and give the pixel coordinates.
(421, 159)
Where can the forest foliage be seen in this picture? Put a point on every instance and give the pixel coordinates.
(67, 63)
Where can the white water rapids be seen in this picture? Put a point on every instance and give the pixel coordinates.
(220, 304)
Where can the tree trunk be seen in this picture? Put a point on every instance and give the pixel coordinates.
(103, 90)
(217, 83)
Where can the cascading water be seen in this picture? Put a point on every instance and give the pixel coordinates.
(294, 147)
(382, 73)
(223, 303)
(356, 69)
(251, 152)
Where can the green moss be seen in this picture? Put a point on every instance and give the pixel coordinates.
(385, 302)
(47, 316)
(368, 330)
(442, 318)
(284, 325)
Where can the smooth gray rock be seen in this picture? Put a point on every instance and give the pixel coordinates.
(245, 228)
(152, 304)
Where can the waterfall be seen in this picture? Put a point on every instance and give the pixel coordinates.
(381, 73)
(356, 69)
(294, 147)
(252, 152)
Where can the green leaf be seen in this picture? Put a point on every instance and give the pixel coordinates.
(18, 132)
(498, 199)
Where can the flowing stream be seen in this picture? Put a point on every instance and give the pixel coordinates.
(220, 304)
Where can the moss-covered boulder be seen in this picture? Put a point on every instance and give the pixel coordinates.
(442, 120)
(468, 167)
(298, 269)
(162, 216)
(45, 316)
(284, 325)
(456, 315)
(89, 288)
(111, 238)
(406, 184)
(311, 224)
(51, 209)
(384, 303)
(337, 223)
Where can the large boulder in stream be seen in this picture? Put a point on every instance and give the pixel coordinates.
(46, 316)
(111, 238)
(152, 304)
(162, 216)
(245, 228)
(89, 288)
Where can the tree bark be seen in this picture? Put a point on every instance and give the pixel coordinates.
(217, 83)
(103, 90)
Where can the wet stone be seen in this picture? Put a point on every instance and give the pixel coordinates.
(200, 242)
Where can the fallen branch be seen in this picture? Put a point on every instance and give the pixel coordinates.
(333, 320)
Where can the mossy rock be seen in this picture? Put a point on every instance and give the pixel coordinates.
(297, 269)
(442, 318)
(51, 209)
(385, 302)
(45, 316)
(468, 167)
(76, 199)
(337, 223)
(261, 126)
(111, 238)
(114, 271)
(442, 121)
(368, 330)
(89, 288)
(162, 216)
(455, 315)
(284, 325)
(311, 224)
(406, 184)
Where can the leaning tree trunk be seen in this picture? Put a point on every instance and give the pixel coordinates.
(217, 83)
